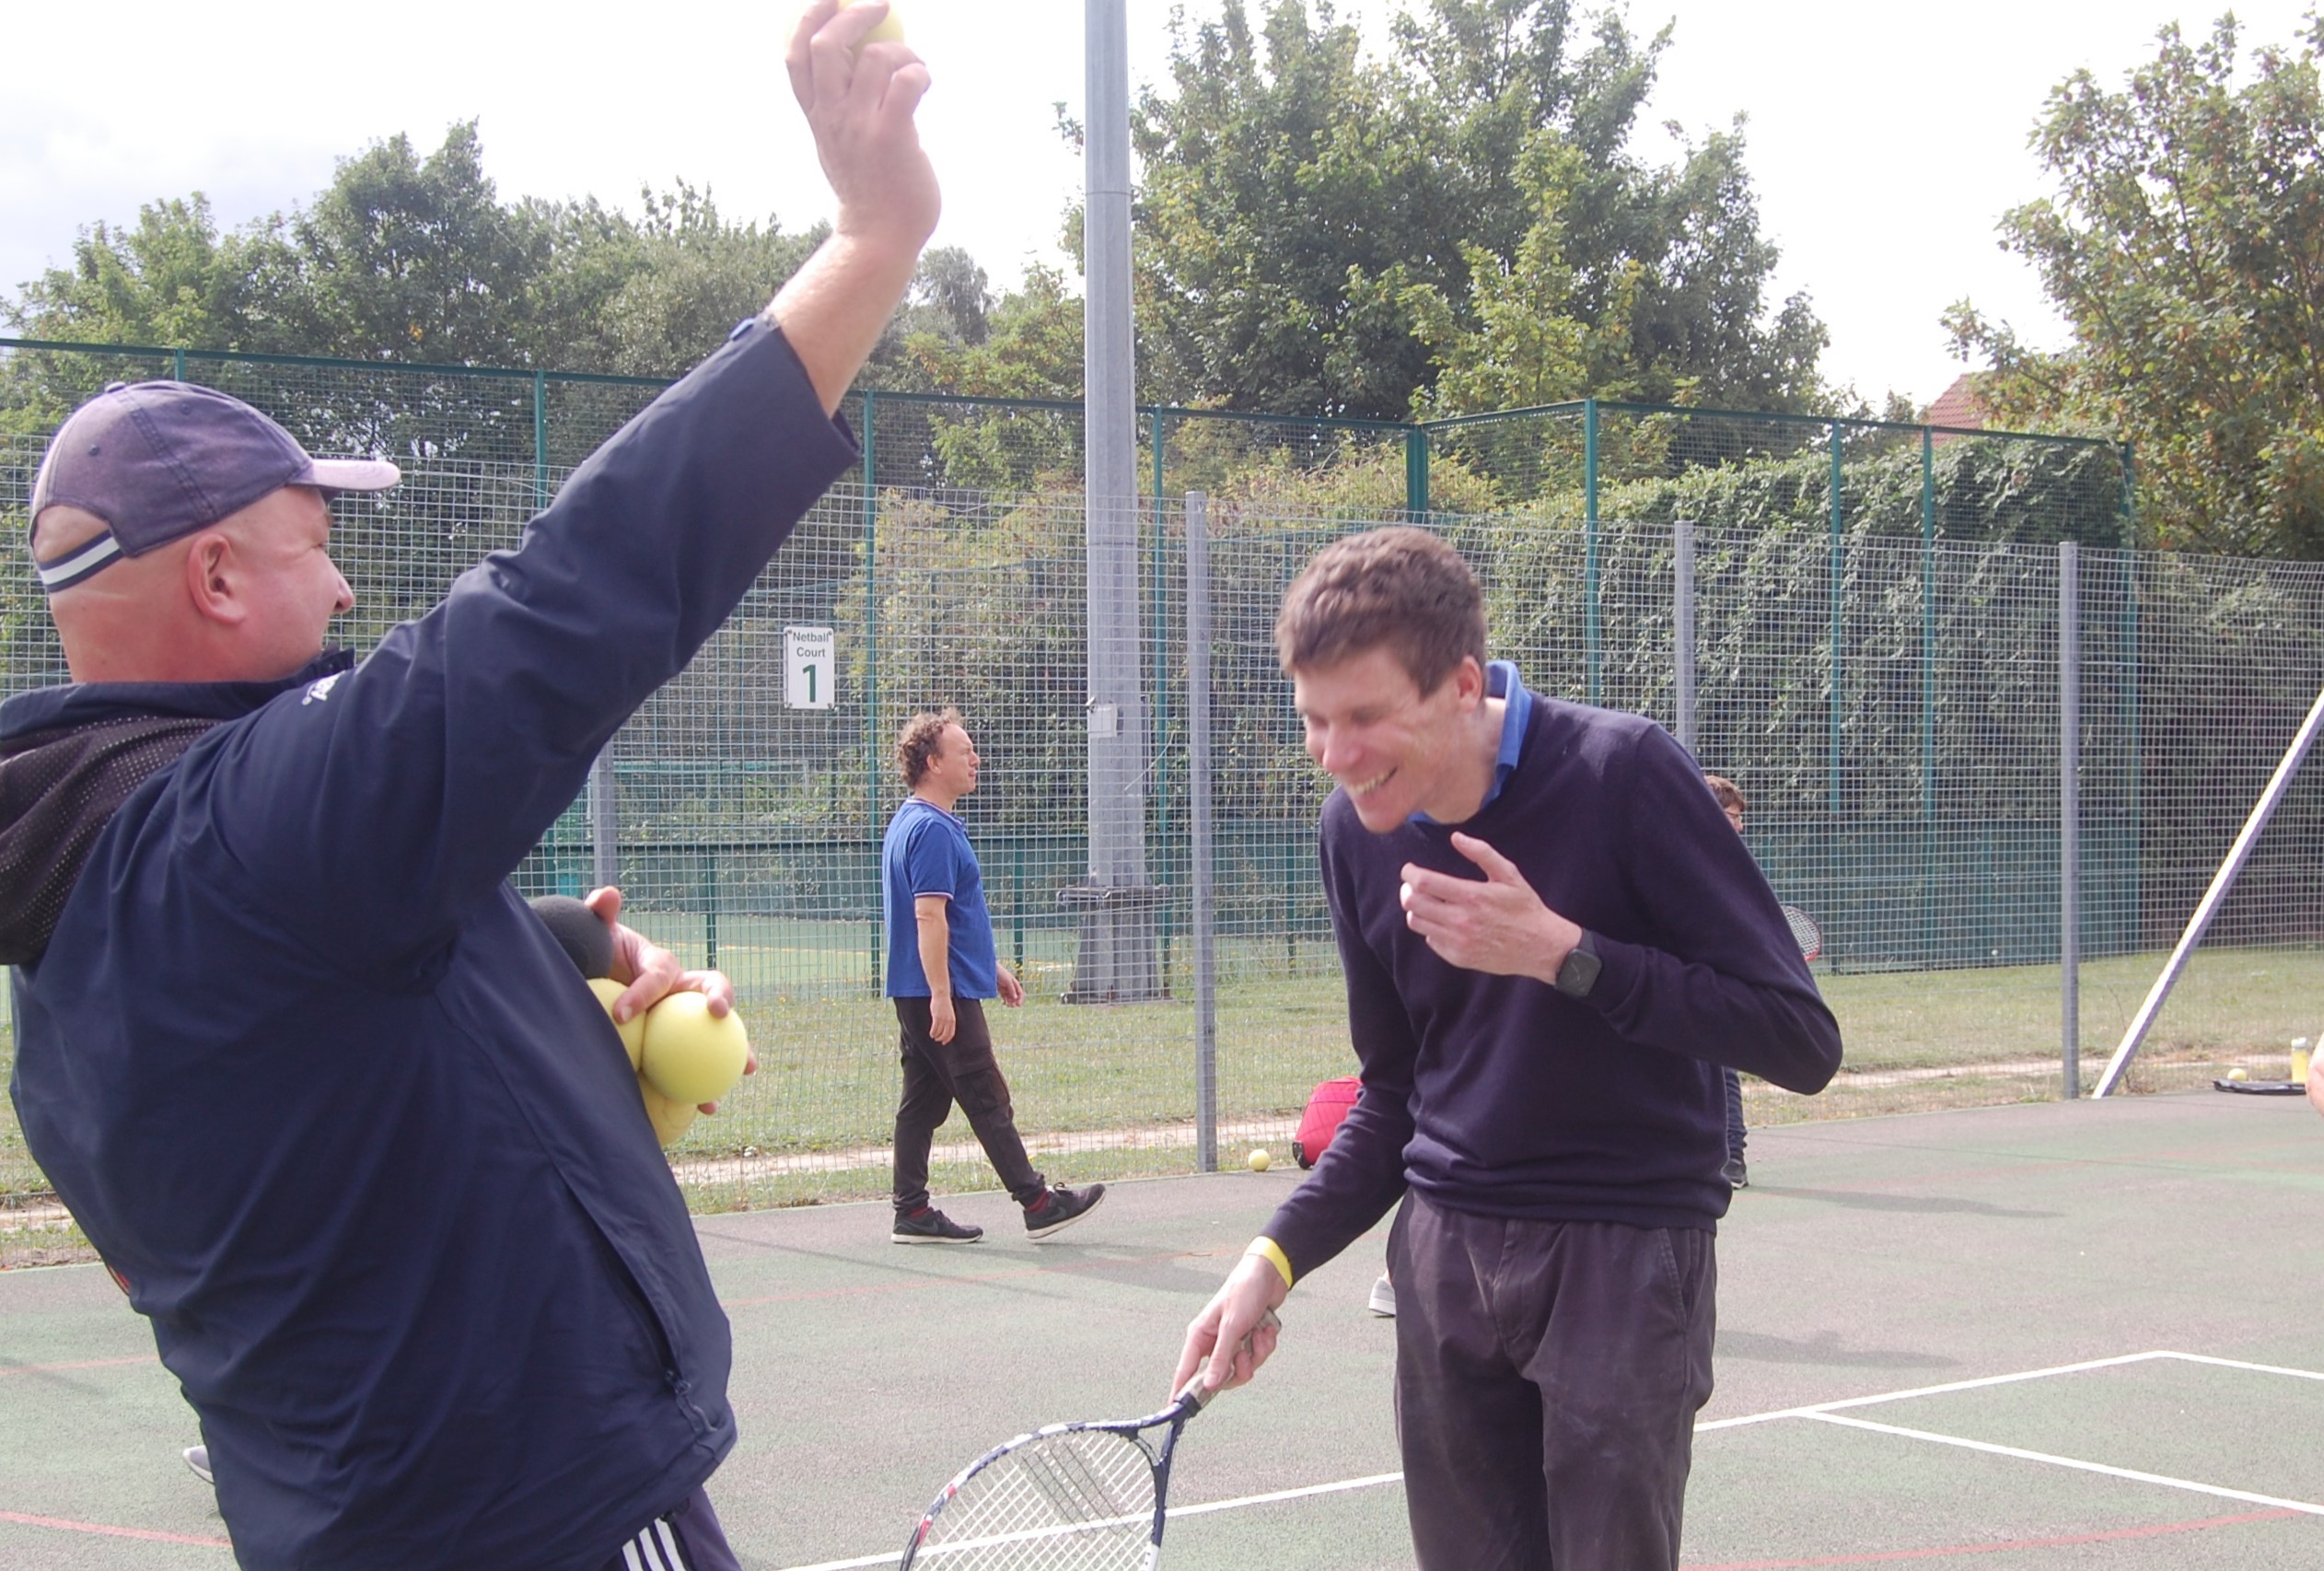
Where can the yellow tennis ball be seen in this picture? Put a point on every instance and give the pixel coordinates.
(1259, 1161)
(634, 1033)
(670, 1120)
(689, 1055)
(890, 28)
(2238, 1073)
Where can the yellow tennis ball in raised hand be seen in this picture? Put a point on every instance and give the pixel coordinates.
(670, 1120)
(690, 1054)
(633, 1031)
(890, 28)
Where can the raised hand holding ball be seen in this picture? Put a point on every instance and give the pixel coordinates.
(690, 1054)
(890, 28)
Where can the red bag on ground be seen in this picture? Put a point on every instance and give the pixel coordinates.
(1326, 1107)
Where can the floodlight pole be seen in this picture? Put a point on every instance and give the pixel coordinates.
(1116, 959)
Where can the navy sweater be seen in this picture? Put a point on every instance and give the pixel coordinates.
(326, 1096)
(1500, 1096)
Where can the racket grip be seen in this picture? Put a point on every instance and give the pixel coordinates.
(1196, 1391)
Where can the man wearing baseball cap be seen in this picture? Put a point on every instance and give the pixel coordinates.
(323, 1092)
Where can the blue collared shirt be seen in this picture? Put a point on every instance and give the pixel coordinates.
(1502, 682)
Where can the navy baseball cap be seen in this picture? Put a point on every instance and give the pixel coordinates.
(157, 460)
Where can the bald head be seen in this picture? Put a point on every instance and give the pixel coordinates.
(247, 598)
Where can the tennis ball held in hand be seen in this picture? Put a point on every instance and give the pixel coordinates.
(670, 1120)
(691, 1055)
(633, 1030)
(890, 28)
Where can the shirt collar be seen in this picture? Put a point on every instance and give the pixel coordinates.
(1502, 682)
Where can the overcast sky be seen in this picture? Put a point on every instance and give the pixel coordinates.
(1884, 142)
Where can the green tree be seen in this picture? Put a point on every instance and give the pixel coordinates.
(1326, 233)
(2184, 250)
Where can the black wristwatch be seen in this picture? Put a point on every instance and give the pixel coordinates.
(1578, 973)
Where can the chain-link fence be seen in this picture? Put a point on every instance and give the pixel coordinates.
(1873, 653)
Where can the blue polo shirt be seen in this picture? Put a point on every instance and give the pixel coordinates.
(1502, 682)
(927, 852)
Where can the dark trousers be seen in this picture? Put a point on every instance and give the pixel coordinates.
(1547, 1375)
(688, 1539)
(1734, 1113)
(938, 1074)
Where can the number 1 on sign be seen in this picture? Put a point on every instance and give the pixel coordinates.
(808, 653)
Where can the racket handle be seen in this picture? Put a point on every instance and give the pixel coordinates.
(1196, 1391)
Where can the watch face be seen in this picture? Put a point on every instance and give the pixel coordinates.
(1578, 973)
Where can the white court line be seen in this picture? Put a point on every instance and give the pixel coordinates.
(1824, 1413)
(2079, 1466)
(1173, 1513)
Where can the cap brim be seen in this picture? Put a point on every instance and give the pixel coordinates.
(354, 474)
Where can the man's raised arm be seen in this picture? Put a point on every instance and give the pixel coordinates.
(860, 105)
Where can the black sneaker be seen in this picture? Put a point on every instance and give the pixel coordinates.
(930, 1226)
(1736, 1173)
(1061, 1207)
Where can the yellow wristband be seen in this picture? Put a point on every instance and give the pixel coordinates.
(1275, 1257)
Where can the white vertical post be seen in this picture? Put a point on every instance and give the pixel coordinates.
(604, 824)
(1198, 791)
(2070, 815)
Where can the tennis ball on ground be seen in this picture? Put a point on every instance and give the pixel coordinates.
(689, 1055)
(633, 1031)
(670, 1120)
(2238, 1073)
(890, 28)
(1259, 1161)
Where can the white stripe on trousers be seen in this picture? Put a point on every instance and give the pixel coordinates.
(656, 1549)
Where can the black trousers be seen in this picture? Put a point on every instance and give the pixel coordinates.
(938, 1074)
(1547, 1375)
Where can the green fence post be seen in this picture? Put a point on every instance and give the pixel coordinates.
(871, 660)
(1416, 475)
(1928, 693)
(2135, 937)
(540, 439)
(1158, 684)
(176, 364)
(1590, 631)
(1839, 621)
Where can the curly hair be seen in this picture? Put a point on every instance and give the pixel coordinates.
(919, 742)
(1400, 588)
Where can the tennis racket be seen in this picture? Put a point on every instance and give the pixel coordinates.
(1070, 1498)
(1805, 933)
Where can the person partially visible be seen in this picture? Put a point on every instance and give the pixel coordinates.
(941, 967)
(1551, 944)
(1729, 797)
(322, 1090)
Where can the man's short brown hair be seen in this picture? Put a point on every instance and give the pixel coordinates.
(1400, 588)
(1726, 791)
(919, 742)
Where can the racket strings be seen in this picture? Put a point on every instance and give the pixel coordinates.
(1082, 1500)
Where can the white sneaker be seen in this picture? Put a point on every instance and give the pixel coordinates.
(1383, 1300)
(198, 1459)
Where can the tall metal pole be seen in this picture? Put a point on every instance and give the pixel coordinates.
(1117, 958)
(1198, 792)
(2070, 814)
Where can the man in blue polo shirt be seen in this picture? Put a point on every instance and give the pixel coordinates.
(1553, 943)
(941, 967)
